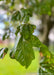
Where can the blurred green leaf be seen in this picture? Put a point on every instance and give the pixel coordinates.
(46, 66)
(5, 36)
(44, 49)
(16, 16)
(26, 19)
(17, 30)
(3, 52)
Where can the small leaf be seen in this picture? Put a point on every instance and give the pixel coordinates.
(43, 72)
(3, 52)
(47, 65)
(25, 14)
(4, 36)
(44, 49)
(16, 16)
(17, 30)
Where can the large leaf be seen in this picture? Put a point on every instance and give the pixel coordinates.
(23, 49)
(23, 52)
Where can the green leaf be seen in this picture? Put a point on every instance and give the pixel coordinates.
(3, 52)
(17, 30)
(26, 19)
(35, 41)
(25, 14)
(16, 16)
(47, 65)
(23, 52)
(27, 31)
(44, 49)
(23, 49)
(43, 72)
(4, 36)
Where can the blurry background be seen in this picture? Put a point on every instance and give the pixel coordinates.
(43, 18)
